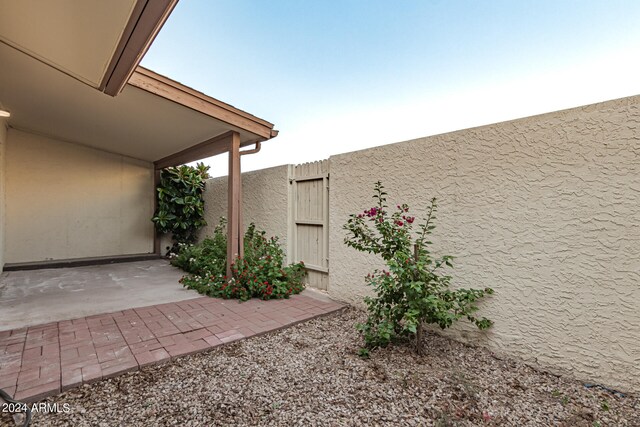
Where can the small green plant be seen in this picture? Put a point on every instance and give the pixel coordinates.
(363, 352)
(413, 290)
(207, 257)
(180, 204)
(260, 273)
(556, 393)
(564, 400)
(605, 406)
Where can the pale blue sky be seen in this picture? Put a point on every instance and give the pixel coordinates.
(337, 76)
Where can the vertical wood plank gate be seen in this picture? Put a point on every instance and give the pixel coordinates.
(310, 215)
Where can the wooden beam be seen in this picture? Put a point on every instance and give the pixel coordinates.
(234, 226)
(173, 91)
(115, 58)
(211, 147)
(144, 23)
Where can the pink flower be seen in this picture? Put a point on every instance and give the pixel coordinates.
(410, 219)
(372, 212)
(400, 223)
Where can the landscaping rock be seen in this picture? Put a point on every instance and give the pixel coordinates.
(311, 375)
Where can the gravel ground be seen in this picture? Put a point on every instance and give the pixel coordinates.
(311, 375)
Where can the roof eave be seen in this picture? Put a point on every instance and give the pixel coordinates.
(171, 90)
(145, 22)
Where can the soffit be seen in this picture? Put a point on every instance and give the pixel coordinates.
(78, 37)
(135, 123)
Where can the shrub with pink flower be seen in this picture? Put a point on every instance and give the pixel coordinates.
(414, 290)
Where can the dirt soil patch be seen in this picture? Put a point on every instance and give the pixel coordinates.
(311, 375)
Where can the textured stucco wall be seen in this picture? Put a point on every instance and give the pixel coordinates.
(545, 209)
(265, 201)
(69, 201)
(3, 144)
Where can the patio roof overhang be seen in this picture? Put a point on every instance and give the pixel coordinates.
(152, 119)
(99, 43)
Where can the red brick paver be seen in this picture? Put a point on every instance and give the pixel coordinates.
(46, 359)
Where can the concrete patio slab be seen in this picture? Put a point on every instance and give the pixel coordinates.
(47, 359)
(40, 296)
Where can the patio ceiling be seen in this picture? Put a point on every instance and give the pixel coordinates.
(152, 118)
(97, 42)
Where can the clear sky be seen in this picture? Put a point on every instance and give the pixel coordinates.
(342, 75)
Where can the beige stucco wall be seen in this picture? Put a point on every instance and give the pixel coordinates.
(3, 143)
(265, 201)
(69, 201)
(546, 210)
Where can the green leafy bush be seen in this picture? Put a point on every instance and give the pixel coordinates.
(180, 204)
(261, 273)
(205, 258)
(413, 290)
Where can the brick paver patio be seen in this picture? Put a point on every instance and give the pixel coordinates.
(46, 359)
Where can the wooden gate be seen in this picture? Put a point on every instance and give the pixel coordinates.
(310, 214)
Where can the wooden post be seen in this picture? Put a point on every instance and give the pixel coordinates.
(234, 231)
(240, 223)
